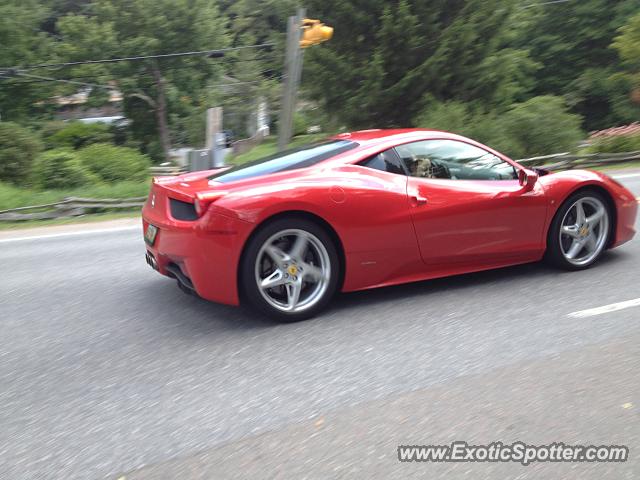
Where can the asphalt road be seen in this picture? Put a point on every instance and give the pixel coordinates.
(108, 370)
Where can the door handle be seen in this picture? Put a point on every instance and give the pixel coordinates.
(418, 200)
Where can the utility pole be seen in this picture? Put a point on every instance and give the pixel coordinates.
(214, 137)
(292, 73)
(301, 33)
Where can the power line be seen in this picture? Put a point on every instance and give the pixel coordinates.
(230, 61)
(545, 3)
(246, 83)
(10, 73)
(76, 80)
(140, 57)
(7, 73)
(73, 82)
(13, 72)
(40, 79)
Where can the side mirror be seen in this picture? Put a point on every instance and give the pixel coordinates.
(527, 179)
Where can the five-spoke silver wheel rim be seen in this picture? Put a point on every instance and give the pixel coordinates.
(292, 270)
(584, 231)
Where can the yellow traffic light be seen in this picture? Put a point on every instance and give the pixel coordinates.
(314, 32)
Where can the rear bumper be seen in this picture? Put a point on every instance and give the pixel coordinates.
(206, 252)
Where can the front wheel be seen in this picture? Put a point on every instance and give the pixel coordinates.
(580, 231)
(290, 269)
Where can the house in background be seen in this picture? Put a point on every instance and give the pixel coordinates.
(75, 107)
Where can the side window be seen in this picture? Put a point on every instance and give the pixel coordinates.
(454, 160)
(386, 161)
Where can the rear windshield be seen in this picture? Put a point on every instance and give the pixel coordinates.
(288, 160)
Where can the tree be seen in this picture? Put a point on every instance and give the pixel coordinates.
(627, 43)
(23, 43)
(258, 71)
(385, 56)
(571, 41)
(261, 20)
(121, 28)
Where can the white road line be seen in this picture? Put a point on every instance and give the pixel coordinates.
(627, 175)
(614, 307)
(71, 234)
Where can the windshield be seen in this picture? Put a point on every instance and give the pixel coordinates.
(300, 157)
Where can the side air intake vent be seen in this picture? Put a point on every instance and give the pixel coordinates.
(182, 210)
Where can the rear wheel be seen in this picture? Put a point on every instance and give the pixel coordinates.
(290, 269)
(580, 231)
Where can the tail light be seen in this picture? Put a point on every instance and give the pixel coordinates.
(203, 200)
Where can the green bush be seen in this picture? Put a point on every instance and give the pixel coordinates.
(539, 126)
(48, 129)
(113, 164)
(616, 144)
(18, 147)
(460, 118)
(77, 135)
(60, 169)
(300, 124)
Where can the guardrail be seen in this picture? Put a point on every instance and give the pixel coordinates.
(244, 145)
(69, 207)
(157, 171)
(568, 161)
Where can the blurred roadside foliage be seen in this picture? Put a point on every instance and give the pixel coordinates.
(64, 168)
(616, 144)
(60, 168)
(525, 80)
(112, 164)
(387, 61)
(535, 127)
(18, 148)
(77, 135)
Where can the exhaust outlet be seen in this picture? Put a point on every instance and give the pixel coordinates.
(151, 260)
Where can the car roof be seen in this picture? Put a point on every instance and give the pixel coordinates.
(380, 139)
(376, 135)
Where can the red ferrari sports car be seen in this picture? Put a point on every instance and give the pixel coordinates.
(369, 209)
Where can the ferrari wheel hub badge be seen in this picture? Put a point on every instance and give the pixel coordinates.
(584, 231)
(293, 270)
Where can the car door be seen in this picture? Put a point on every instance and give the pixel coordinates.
(376, 229)
(468, 206)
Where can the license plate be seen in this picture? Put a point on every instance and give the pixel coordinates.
(150, 234)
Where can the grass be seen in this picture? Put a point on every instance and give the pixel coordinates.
(269, 146)
(13, 197)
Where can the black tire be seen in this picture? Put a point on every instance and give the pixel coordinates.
(251, 295)
(554, 253)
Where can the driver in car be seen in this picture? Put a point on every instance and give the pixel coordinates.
(424, 167)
